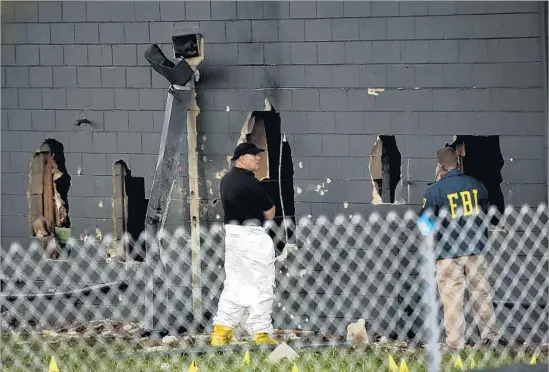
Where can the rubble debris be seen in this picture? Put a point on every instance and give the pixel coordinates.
(169, 340)
(282, 351)
(49, 184)
(385, 169)
(356, 332)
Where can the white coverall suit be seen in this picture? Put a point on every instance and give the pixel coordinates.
(250, 277)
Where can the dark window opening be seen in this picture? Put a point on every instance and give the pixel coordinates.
(49, 184)
(480, 157)
(266, 134)
(129, 210)
(385, 169)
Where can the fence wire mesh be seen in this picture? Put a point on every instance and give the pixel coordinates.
(93, 313)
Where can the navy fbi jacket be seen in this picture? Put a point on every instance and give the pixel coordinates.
(458, 234)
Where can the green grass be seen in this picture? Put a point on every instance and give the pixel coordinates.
(33, 354)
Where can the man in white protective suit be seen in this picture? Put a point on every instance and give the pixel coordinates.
(249, 252)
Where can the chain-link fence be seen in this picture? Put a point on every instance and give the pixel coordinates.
(93, 313)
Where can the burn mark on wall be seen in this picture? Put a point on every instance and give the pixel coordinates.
(480, 157)
(276, 173)
(385, 169)
(49, 184)
(129, 209)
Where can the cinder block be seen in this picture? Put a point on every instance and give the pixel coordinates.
(520, 25)
(197, 10)
(116, 121)
(89, 77)
(78, 98)
(329, 9)
(74, 11)
(120, 11)
(412, 8)
(345, 29)
(353, 168)
(26, 12)
(43, 120)
(429, 27)
(214, 31)
(38, 33)
(103, 185)
(473, 50)
(17, 77)
(391, 100)
(8, 13)
(151, 143)
(98, 11)
(404, 122)
(414, 51)
(303, 9)
(470, 7)
(429, 75)
(141, 121)
(238, 31)
(331, 53)
(250, 54)
(10, 98)
(359, 100)
(400, 28)
(276, 9)
(358, 52)
(126, 99)
(433, 123)
(50, 55)
(522, 74)
(11, 141)
(263, 77)
(386, 51)
(14, 34)
(487, 26)
(151, 99)
(458, 75)
(213, 122)
(488, 75)
(441, 7)
(513, 7)
(345, 76)
(227, 97)
(99, 55)
(458, 27)
(95, 164)
(357, 9)
(349, 122)
(80, 142)
(223, 10)
(62, 33)
(161, 32)
(76, 55)
(318, 76)
(86, 33)
(172, 11)
(318, 30)
(8, 55)
(443, 51)
(400, 76)
(385, 8)
(291, 30)
(113, 77)
(30, 98)
(276, 53)
(83, 185)
(372, 76)
(124, 55)
(527, 50)
(111, 33)
(19, 120)
(147, 11)
(41, 77)
(63, 77)
(31, 141)
(105, 143)
(303, 53)
(102, 99)
(27, 55)
(136, 32)
(333, 100)
(50, 11)
(516, 99)
(305, 100)
(306, 145)
(264, 30)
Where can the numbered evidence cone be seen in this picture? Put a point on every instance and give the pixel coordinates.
(458, 363)
(392, 364)
(294, 368)
(193, 367)
(246, 360)
(534, 360)
(53, 365)
(403, 366)
(472, 364)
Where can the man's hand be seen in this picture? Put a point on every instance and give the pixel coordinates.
(269, 215)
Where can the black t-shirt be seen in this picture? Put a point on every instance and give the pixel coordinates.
(243, 197)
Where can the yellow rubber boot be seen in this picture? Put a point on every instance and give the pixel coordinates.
(264, 339)
(222, 335)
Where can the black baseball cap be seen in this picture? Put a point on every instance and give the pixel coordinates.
(246, 148)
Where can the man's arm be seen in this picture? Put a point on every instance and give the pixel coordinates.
(428, 202)
(265, 203)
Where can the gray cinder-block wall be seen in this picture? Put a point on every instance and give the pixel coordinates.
(446, 68)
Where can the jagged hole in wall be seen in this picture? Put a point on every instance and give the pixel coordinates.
(129, 210)
(480, 157)
(49, 184)
(266, 134)
(385, 169)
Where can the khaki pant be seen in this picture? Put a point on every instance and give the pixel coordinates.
(451, 285)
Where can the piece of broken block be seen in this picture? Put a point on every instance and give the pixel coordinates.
(356, 332)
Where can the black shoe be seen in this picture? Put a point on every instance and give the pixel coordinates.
(493, 344)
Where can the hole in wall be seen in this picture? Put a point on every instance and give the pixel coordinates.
(276, 171)
(49, 184)
(480, 157)
(129, 208)
(385, 169)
